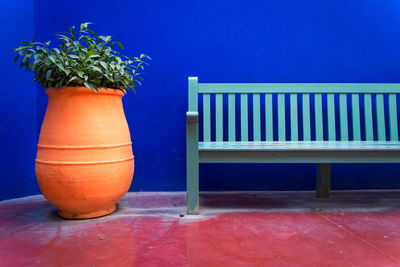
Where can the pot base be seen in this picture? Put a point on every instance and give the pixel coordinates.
(89, 215)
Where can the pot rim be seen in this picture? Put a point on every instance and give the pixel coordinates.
(84, 90)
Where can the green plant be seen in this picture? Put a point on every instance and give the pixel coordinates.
(83, 59)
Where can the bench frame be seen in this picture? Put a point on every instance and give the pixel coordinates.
(322, 157)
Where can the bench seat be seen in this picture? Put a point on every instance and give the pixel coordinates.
(301, 146)
(300, 152)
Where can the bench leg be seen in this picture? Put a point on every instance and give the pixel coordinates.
(192, 169)
(323, 180)
(192, 183)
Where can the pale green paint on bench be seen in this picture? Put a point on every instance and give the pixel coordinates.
(318, 117)
(306, 118)
(281, 117)
(369, 133)
(219, 119)
(331, 117)
(355, 100)
(344, 132)
(256, 117)
(231, 118)
(301, 146)
(393, 117)
(206, 117)
(309, 88)
(192, 148)
(380, 117)
(244, 129)
(268, 117)
(288, 148)
(294, 129)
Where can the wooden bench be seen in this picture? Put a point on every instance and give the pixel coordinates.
(348, 126)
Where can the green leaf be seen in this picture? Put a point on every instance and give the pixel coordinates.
(63, 44)
(71, 32)
(93, 56)
(104, 65)
(120, 45)
(96, 69)
(72, 79)
(48, 74)
(90, 53)
(85, 25)
(95, 88)
(16, 58)
(73, 56)
(52, 59)
(90, 86)
(92, 32)
(25, 60)
(20, 48)
(63, 37)
(60, 66)
(87, 85)
(105, 39)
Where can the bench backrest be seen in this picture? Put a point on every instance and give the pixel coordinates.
(340, 110)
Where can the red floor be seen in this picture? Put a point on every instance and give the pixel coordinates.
(235, 229)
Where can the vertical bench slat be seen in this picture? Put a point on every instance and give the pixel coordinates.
(256, 117)
(319, 130)
(306, 118)
(206, 118)
(269, 131)
(355, 107)
(344, 131)
(281, 118)
(231, 118)
(244, 128)
(380, 117)
(394, 136)
(369, 132)
(331, 117)
(218, 118)
(294, 131)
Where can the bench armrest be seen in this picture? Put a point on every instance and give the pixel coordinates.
(192, 117)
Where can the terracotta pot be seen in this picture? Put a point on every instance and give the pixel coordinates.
(84, 163)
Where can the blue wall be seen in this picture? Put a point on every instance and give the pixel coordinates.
(18, 133)
(230, 41)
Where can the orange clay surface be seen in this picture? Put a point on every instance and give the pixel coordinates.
(234, 229)
(84, 163)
